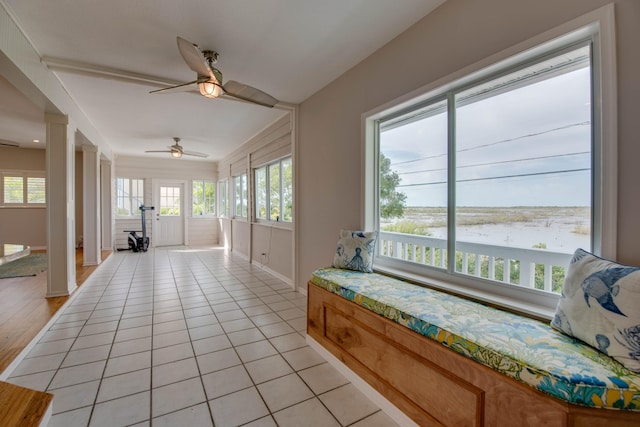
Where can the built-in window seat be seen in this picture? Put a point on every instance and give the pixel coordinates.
(447, 361)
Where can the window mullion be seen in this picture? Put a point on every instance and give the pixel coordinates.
(281, 191)
(451, 183)
(25, 190)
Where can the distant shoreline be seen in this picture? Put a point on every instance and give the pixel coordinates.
(555, 228)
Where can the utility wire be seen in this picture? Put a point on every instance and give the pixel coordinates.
(587, 122)
(498, 177)
(496, 163)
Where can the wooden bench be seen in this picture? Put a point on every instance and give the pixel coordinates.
(448, 361)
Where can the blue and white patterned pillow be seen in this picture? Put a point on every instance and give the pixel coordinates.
(355, 250)
(600, 305)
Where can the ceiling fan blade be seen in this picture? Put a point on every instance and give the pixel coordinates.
(194, 153)
(5, 143)
(178, 88)
(194, 58)
(158, 151)
(249, 93)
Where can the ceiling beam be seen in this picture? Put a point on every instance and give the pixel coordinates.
(83, 68)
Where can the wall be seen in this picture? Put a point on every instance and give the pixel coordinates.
(457, 34)
(198, 231)
(249, 239)
(275, 243)
(23, 225)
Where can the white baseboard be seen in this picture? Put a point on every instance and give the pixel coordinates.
(383, 403)
(285, 279)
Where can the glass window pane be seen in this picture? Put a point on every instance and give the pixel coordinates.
(287, 190)
(413, 186)
(36, 190)
(223, 198)
(197, 197)
(523, 165)
(237, 195)
(209, 197)
(170, 201)
(13, 189)
(243, 196)
(137, 195)
(261, 192)
(129, 196)
(274, 192)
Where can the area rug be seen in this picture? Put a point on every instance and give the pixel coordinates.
(27, 266)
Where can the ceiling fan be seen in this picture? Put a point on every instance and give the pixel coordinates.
(177, 151)
(209, 80)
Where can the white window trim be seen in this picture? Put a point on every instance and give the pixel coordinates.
(529, 301)
(144, 189)
(215, 204)
(280, 223)
(246, 201)
(222, 196)
(25, 174)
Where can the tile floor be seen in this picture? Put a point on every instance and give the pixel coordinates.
(186, 336)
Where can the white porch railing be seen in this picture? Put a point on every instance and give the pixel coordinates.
(514, 266)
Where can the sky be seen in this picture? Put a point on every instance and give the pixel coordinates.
(529, 146)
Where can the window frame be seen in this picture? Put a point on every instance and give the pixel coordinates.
(204, 214)
(267, 167)
(242, 197)
(598, 27)
(25, 176)
(223, 198)
(135, 212)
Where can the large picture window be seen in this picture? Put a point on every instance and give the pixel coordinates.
(129, 196)
(493, 179)
(22, 189)
(203, 198)
(274, 191)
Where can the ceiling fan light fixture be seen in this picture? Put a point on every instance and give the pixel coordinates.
(210, 89)
(176, 154)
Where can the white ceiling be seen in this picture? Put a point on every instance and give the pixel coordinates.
(287, 48)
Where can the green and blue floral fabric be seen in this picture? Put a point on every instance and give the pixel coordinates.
(521, 348)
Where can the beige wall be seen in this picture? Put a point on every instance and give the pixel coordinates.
(23, 225)
(456, 35)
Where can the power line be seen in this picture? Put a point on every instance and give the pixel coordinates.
(587, 122)
(497, 162)
(498, 177)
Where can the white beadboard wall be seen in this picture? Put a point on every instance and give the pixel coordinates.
(248, 239)
(199, 231)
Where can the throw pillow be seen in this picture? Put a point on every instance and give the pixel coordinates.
(355, 250)
(600, 305)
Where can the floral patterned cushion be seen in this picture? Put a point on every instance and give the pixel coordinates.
(521, 348)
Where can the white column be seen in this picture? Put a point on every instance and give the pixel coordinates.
(91, 206)
(61, 256)
(105, 205)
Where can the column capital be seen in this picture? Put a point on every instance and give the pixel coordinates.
(60, 119)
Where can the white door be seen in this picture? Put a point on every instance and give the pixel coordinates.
(168, 227)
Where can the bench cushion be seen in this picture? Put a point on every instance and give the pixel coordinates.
(519, 347)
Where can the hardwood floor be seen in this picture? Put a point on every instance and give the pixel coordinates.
(24, 310)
